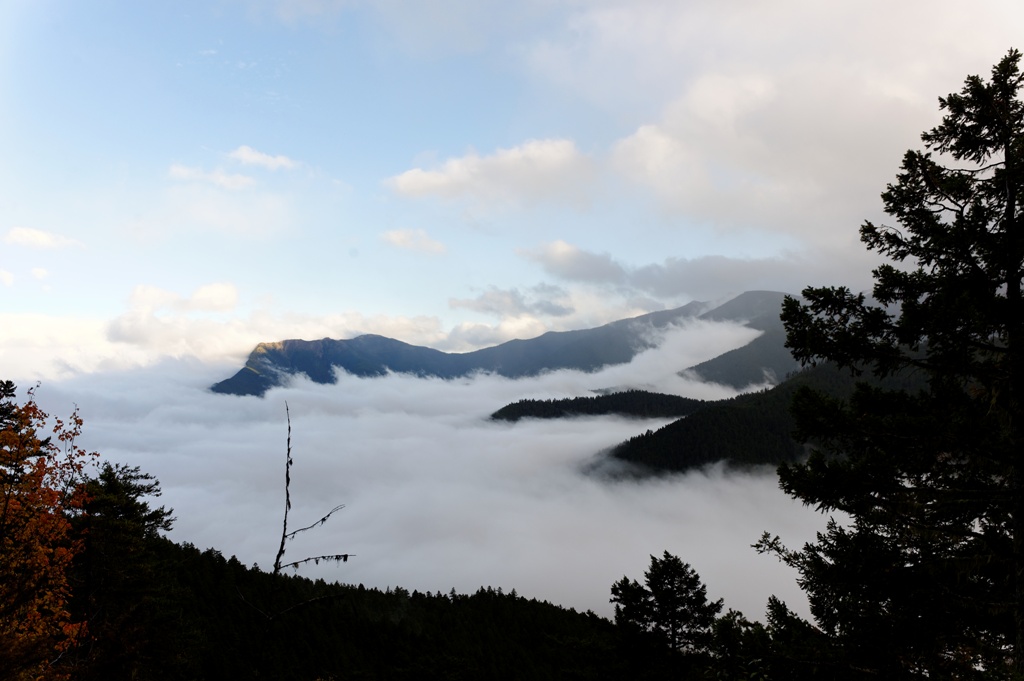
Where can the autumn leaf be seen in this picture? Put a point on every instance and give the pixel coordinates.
(40, 490)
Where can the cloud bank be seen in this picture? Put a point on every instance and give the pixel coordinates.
(702, 277)
(438, 497)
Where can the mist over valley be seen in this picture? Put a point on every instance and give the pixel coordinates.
(437, 495)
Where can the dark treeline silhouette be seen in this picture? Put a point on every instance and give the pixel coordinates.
(635, 403)
(161, 610)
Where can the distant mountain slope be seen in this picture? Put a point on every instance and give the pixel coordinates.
(751, 429)
(746, 430)
(766, 358)
(270, 364)
(370, 355)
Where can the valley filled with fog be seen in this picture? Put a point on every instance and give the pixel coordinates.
(436, 495)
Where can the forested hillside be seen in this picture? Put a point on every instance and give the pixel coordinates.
(753, 429)
(200, 615)
(747, 430)
(763, 360)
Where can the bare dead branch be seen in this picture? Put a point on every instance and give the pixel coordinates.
(336, 558)
(285, 534)
(287, 491)
(319, 522)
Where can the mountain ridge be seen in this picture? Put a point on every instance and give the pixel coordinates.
(270, 364)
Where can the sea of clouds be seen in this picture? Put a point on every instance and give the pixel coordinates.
(436, 495)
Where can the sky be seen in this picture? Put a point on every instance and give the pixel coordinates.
(182, 180)
(186, 179)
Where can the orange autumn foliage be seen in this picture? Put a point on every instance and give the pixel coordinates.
(40, 490)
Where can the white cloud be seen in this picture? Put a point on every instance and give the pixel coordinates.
(619, 52)
(6, 278)
(538, 170)
(249, 156)
(468, 336)
(159, 325)
(37, 238)
(39, 273)
(743, 152)
(413, 240)
(45, 347)
(574, 264)
(549, 301)
(769, 116)
(531, 312)
(652, 156)
(217, 297)
(218, 177)
(703, 277)
(145, 297)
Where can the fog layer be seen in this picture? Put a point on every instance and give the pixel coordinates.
(437, 496)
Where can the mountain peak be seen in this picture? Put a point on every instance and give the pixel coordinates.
(747, 307)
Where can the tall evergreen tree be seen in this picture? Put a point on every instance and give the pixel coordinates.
(922, 575)
(121, 584)
(673, 604)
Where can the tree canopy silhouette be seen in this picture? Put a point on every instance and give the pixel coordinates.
(672, 603)
(922, 573)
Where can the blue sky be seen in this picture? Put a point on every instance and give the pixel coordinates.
(187, 179)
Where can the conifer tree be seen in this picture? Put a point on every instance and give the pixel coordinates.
(119, 582)
(672, 603)
(921, 573)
